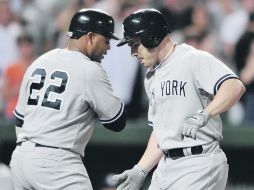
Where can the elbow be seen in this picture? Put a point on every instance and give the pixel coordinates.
(121, 125)
(117, 125)
(241, 90)
(115, 128)
(238, 90)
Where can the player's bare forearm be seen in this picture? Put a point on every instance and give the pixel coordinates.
(152, 154)
(229, 93)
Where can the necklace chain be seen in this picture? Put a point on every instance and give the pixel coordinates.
(168, 54)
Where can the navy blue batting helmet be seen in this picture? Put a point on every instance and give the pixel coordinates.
(92, 20)
(147, 24)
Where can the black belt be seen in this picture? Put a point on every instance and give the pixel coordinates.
(178, 152)
(38, 145)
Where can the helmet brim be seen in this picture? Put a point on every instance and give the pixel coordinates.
(114, 37)
(111, 36)
(123, 42)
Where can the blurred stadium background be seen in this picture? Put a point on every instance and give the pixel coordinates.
(221, 27)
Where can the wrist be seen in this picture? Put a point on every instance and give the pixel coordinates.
(138, 167)
(206, 113)
(203, 116)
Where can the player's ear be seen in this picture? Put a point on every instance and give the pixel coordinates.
(90, 37)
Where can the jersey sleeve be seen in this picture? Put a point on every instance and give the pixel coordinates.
(21, 104)
(210, 72)
(99, 94)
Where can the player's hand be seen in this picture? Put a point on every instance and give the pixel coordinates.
(132, 179)
(192, 124)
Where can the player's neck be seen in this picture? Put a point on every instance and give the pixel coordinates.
(166, 49)
(74, 45)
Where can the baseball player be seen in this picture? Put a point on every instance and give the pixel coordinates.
(62, 94)
(187, 90)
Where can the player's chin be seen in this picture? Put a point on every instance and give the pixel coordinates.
(98, 59)
(146, 65)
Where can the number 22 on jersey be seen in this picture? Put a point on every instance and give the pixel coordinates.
(50, 88)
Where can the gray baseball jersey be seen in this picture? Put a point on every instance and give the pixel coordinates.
(62, 94)
(183, 84)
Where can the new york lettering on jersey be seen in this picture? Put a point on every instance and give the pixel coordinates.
(173, 88)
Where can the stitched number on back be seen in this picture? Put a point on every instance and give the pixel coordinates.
(36, 86)
(56, 89)
(51, 88)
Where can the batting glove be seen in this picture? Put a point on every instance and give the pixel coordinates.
(192, 124)
(132, 179)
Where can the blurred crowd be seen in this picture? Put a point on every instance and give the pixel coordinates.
(224, 28)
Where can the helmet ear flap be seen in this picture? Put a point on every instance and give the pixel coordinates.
(150, 40)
